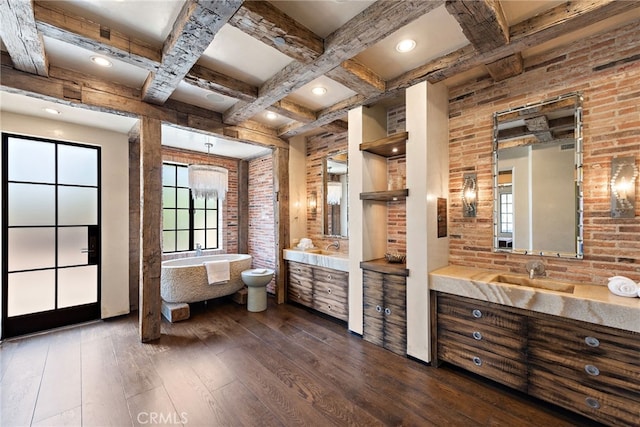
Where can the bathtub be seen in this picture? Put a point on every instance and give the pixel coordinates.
(185, 279)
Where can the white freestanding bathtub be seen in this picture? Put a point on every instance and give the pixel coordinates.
(185, 279)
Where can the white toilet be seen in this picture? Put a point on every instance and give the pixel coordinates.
(256, 280)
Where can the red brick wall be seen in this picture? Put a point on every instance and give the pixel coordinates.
(229, 207)
(318, 147)
(611, 129)
(397, 211)
(261, 215)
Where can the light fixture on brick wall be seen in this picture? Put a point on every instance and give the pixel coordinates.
(313, 202)
(624, 173)
(469, 195)
(208, 181)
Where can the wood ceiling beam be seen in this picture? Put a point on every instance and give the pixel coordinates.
(266, 23)
(482, 21)
(507, 67)
(365, 29)
(214, 81)
(554, 23)
(293, 111)
(88, 92)
(61, 25)
(21, 38)
(358, 77)
(194, 29)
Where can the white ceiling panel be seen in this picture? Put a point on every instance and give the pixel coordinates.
(273, 123)
(237, 54)
(336, 92)
(202, 98)
(72, 57)
(436, 33)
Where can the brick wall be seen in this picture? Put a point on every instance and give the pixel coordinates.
(397, 211)
(318, 147)
(396, 119)
(261, 215)
(610, 82)
(229, 207)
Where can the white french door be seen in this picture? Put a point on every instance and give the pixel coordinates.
(51, 234)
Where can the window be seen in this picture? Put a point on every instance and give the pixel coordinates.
(506, 212)
(185, 222)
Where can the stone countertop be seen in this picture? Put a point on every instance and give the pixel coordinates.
(588, 302)
(333, 260)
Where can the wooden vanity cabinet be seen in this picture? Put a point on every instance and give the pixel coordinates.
(385, 314)
(590, 369)
(322, 289)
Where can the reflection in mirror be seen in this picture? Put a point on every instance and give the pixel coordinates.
(537, 154)
(334, 178)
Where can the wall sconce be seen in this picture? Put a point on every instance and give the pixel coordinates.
(469, 195)
(623, 187)
(313, 202)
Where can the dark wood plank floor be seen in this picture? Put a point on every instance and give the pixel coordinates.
(225, 366)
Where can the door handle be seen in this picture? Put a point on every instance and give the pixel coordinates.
(87, 251)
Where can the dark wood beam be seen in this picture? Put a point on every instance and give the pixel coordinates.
(357, 77)
(365, 29)
(263, 21)
(482, 21)
(554, 23)
(21, 38)
(507, 67)
(193, 31)
(280, 158)
(64, 26)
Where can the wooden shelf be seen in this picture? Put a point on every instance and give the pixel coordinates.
(385, 146)
(385, 196)
(381, 265)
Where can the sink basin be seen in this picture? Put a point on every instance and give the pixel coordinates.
(547, 284)
(321, 252)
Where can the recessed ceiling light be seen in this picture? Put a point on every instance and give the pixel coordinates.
(406, 45)
(319, 90)
(214, 97)
(52, 111)
(101, 61)
(270, 115)
(395, 149)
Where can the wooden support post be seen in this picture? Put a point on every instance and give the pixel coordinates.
(281, 216)
(243, 207)
(134, 219)
(150, 226)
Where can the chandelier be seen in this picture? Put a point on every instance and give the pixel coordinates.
(208, 181)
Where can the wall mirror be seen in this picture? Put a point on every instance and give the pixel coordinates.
(334, 181)
(537, 178)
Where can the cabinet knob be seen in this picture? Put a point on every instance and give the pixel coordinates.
(299, 270)
(592, 403)
(592, 370)
(329, 307)
(477, 335)
(329, 277)
(329, 290)
(476, 313)
(477, 361)
(378, 308)
(592, 341)
(387, 311)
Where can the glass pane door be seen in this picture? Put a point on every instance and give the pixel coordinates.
(51, 234)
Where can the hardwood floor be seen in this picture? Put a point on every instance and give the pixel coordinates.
(226, 366)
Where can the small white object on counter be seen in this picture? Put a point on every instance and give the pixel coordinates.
(305, 243)
(623, 286)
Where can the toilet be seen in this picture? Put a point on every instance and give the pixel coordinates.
(256, 280)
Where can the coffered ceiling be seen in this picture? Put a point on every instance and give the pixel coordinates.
(219, 67)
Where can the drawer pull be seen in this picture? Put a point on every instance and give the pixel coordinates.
(592, 370)
(476, 313)
(329, 277)
(592, 341)
(299, 270)
(387, 311)
(329, 290)
(477, 361)
(329, 307)
(477, 335)
(592, 403)
(378, 309)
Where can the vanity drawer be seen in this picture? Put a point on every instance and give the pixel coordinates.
(300, 271)
(480, 313)
(505, 370)
(300, 284)
(329, 305)
(605, 407)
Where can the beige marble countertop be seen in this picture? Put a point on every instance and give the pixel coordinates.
(588, 302)
(320, 258)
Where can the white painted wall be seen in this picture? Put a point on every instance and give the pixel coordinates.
(427, 122)
(115, 198)
(356, 161)
(297, 189)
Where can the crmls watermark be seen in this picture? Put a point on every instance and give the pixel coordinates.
(162, 418)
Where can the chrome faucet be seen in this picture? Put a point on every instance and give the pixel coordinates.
(198, 249)
(335, 244)
(535, 268)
